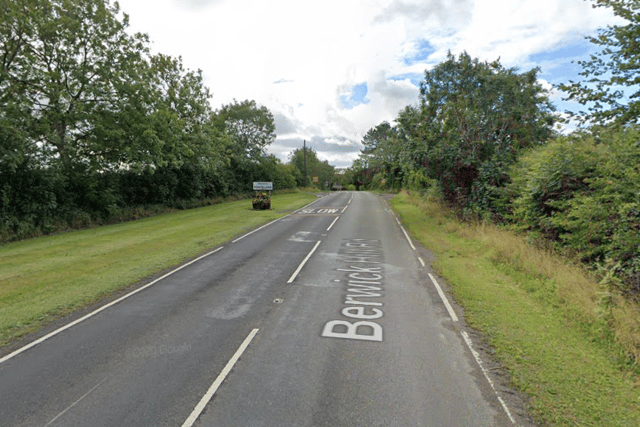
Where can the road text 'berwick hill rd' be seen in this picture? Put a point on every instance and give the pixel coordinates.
(364, 286)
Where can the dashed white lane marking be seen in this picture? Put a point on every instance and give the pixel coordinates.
(444, 299)
(75, 403)
(348, 203)
(476, 355)
(216, 384)
(334, 221)
(422, 261)
(304, 261)
(104, 307)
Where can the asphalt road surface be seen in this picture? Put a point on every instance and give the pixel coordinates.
(326, 317)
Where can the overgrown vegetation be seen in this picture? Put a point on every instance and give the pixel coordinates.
(483, 140)
(474, 119)
(557, 330)
(581, 192)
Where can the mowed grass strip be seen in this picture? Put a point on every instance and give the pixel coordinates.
(44, 278)
(544, 317)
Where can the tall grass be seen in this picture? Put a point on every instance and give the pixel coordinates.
(567, 340)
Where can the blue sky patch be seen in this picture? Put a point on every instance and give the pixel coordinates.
(556, 66)
(358, 96)
(423, 51)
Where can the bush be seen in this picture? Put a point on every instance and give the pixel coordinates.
(583, 193)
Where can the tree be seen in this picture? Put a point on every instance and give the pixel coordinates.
(64, 65)
(315, 167)
(610, 71)
(251, 127)
(376, 137)
(382, 151)
(474, 119)
(180, 126)
(14, 35)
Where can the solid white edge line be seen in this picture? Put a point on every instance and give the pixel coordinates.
(104, 307)
(334, 221)
(444, 299)
(408, 238)
(216, 384)
(476, 355)
(258, 229)
(304, 261)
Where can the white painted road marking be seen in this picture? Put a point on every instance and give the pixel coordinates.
(304, 261)
(334, 221)
(104, 307)
(408, 238)
(486, 375)
(444, 299)
(421, 262)
(348, 203)
(320, 211)
(404, 231)
(363, 284)
(216, 384)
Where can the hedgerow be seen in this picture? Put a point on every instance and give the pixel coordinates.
(583, 193)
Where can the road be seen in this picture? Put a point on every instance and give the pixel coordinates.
(326, 317)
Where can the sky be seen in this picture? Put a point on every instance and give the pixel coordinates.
(331, 70)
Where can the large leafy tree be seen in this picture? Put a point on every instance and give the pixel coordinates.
(14, 36)
(65, 67)
(252, 127)
(180, 127)
(475, 116)
(314, 167)
(376, 137)
(611, 90)
(248, 129)
(382, 151)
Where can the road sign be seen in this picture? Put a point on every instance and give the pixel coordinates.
(258, 186)
(315, 179)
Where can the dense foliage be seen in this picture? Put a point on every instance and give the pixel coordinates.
(92, 125)
(583, 194)
(319, 173)
(473, 120)
(611, 90)
(483, 140)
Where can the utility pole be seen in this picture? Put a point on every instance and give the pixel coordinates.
(304, 155)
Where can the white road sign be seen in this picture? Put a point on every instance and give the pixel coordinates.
(258, 186)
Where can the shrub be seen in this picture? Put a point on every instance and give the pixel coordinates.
(583, 193)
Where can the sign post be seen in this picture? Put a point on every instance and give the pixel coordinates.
(259, 200)
(261, 186)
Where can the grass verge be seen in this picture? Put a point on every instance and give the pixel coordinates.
(44, 278)
(553, 327)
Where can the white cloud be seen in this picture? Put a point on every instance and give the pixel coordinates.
(299, 58)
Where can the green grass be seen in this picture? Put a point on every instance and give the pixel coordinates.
(546, 318)
(44, 278)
